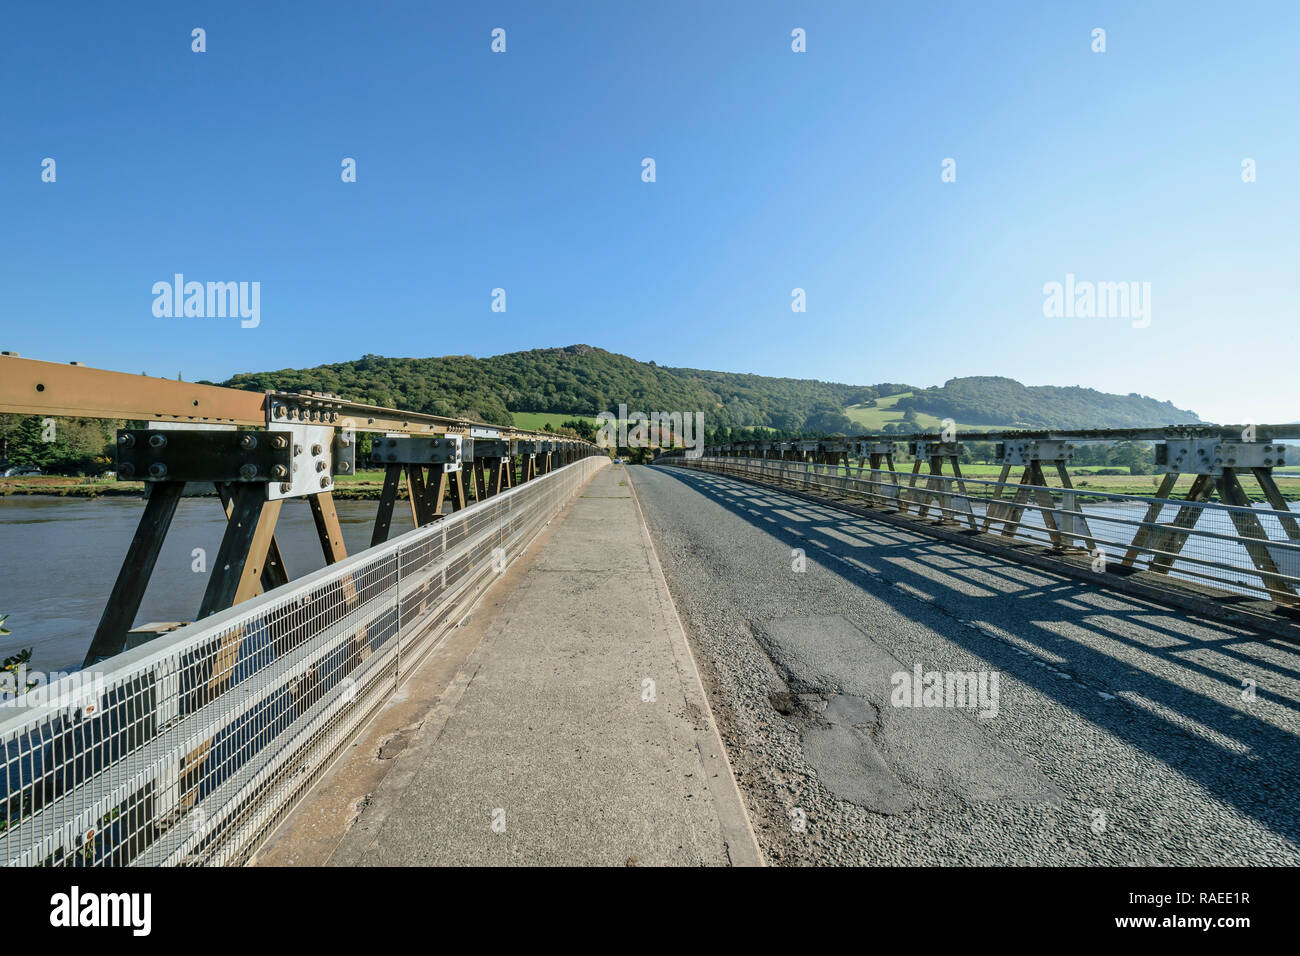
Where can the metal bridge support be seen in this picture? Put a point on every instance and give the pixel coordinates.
(491, 467)
(545, 456)
(253, 472)
(1033, 483)
(1216, 465)
(878, 456)
(936, 453)
(440, 455)
(527, 451)
(137, 568)
(829, 456)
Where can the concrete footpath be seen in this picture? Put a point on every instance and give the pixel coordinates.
(577, 733)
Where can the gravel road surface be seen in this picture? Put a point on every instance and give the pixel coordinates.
(1082, 726)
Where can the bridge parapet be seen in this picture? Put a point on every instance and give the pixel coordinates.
(258, 449)
(1198, 547)
(191, 748)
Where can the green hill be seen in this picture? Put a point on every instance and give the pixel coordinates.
(886, 416)
(989, 401)
(579, 381)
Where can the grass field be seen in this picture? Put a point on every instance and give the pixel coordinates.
(873, 420)
(68, 486)
(1084, 479)
(536, 421)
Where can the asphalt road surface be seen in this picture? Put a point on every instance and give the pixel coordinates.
(1096, 728)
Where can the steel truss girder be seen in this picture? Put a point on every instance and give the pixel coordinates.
(32, 387)
(1022, 453)
(289, 461)
(442, 450)
(1215, 458)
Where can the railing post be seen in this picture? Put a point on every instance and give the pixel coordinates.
(398, 670)
(1067, 519)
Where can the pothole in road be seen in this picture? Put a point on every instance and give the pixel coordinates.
(885, 758)
(393, 745)
(835, 734)
(804, 705)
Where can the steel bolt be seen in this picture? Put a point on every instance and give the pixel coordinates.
(157, 470)
(125, 470)
(126, 440)
(321, 466)
(285, 487)
(316, 450)
(278, 441)
(344, 467)
(157, 440)
(324, 481)
(248, 472)
(247, 442)
(279, 471)
(297, 450)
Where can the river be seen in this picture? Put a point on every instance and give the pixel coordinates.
(59, 558)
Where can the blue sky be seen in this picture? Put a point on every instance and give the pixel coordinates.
(775, 170)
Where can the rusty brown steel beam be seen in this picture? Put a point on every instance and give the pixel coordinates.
(32, 387)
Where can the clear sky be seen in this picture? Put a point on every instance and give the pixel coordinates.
(774, 170)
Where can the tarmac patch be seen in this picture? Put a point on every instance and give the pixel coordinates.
(871, 753)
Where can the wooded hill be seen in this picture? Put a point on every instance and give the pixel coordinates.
(582, 380)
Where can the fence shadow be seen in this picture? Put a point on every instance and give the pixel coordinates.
(1243, 760)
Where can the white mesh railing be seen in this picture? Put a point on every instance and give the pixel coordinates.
(1251, 551)
(190, 749)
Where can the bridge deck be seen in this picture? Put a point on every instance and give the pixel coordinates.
(546, 731)
(1126, 732)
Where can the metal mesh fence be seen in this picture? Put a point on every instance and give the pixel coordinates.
(1253, 551)
(190, 749)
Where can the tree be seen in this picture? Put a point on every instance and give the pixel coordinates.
(12, 665)
(826, 419)
(60, 445)
(581, 427)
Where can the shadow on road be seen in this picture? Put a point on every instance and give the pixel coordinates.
(1252, 766)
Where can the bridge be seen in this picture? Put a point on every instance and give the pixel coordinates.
(695, 662)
